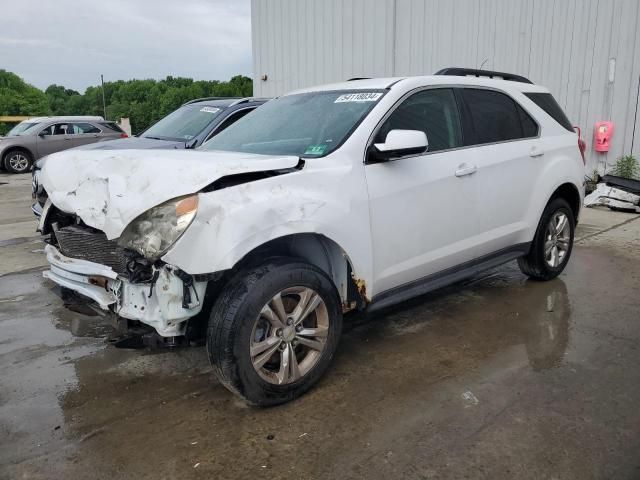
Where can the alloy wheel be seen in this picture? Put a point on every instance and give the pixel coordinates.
(557, 239)
(289, 335)
(18, 162)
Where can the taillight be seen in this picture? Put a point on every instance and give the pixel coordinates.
(582, 145)
(124, 135)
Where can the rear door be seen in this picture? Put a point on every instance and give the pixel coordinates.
(54, 138)
(85, 133)
(507, 152)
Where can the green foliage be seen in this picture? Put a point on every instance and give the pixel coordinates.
(144, 102)
(20, 98)
(627, 167)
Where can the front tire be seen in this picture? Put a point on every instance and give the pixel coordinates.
(273, 331)
(553, 243)
(17, 161)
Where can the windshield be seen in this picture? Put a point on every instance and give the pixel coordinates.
(183, 124)
(307, 124)
(21, 128)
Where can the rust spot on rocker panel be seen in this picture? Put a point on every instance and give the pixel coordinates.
(362, 288)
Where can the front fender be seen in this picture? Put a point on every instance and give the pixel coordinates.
(232, 222)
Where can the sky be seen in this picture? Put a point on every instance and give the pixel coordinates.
(71, 42)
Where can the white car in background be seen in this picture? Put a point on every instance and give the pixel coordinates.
(356, 195)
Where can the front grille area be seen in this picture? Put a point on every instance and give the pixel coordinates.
(85, 244)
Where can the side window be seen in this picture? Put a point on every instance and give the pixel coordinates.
(230, 120)
(58, 129)
(113, 126)
(546, 102)
(495, 117)
(529, 126)
(48, 130)
(433, 111)
(80, 128)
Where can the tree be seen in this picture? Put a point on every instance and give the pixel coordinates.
(144, 102)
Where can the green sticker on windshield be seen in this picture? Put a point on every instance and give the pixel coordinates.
(315, 149)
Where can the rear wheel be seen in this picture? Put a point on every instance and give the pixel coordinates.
(552, 244)
(274, 330)
(17, 161)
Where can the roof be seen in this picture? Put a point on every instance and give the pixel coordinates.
(224, 102)
(391, 82)
(66, 118)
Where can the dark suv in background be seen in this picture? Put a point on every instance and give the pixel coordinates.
(189, 126)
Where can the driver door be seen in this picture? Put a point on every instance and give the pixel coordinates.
(54, 138)
(423, 207)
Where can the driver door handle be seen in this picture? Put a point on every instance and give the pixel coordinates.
(465, 169)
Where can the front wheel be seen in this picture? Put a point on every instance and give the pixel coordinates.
(17, 161)
(552, 244)
(273, 331)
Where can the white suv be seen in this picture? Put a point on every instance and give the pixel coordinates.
(350, 196)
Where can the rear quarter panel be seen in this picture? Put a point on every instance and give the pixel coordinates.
(561, 164)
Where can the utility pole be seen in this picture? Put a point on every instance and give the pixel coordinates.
(104, 103)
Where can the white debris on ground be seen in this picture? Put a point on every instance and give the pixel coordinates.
(613, 198)
(470, 399)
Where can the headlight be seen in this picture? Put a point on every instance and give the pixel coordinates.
(156, 230)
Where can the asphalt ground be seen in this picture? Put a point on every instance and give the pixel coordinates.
(495, 377)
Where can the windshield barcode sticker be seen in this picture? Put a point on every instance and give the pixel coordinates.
(210, 109)
(358, 97)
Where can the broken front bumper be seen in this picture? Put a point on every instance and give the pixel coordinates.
(160, 305)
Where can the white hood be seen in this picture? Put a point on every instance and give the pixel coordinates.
(108, 189)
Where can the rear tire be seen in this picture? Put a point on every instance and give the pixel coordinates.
(273, 331)
(553, 242)
(17, 161)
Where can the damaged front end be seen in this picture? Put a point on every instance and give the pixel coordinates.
(119, 279)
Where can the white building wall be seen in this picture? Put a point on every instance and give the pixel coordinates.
(566, 45)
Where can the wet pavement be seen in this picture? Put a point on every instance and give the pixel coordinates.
(497, 377)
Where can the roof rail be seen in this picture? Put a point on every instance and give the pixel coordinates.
(473, 72)
(204, 99)
(247, 99)
(358, 78)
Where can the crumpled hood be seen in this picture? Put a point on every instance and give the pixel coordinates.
(130, 143)
(108, 189)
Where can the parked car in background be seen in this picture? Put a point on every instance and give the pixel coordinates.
(188, 127)
(36, 137)
(357, 195)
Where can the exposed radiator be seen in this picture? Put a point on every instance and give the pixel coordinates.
(82, 243)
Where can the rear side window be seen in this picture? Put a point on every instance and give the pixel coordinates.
(82, 128)
(432, 111)
(546, 102)
(113, 126)
(529, 126)
(495, 117)
(231, 119)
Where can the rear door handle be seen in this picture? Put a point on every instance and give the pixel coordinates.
(465, 169)
(536, 151)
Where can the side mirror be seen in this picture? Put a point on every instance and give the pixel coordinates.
(400, 143)
(43, 133)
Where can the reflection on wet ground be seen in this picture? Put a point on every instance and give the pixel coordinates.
(496, 378)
